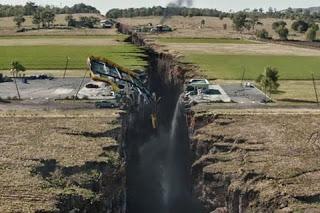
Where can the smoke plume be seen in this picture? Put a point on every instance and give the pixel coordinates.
(178, 3)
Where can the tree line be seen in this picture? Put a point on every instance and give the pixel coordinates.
(172, 10)
(46, 18)
(164, 11)
(30, 8)
(244, 21)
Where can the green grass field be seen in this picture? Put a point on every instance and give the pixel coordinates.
(232, 66)
(205, 40)
(117, 37)
(54, 57)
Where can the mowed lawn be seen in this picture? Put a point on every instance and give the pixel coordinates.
(118, 36)
(54, 57)
(205, 40)
(232, 66)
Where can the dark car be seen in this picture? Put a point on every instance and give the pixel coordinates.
(107, 104)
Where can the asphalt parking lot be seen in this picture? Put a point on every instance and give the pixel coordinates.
(244, 95)
(57, 88)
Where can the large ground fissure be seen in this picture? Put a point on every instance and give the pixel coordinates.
(158, 161)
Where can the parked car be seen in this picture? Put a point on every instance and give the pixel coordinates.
(112, 103)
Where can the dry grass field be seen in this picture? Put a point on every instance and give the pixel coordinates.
(8, 27)
(189, 27)
(277, 161)
(259, 48)
(8, 23)
(31, 142)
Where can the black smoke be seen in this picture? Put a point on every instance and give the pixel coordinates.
(172, 5)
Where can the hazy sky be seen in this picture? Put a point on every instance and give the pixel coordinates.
(226, 5)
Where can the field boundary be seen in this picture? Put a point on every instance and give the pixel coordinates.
(279, 111)
(110, 113)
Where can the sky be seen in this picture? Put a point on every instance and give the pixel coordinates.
(225, 5)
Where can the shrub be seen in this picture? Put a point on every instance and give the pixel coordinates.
(269, 79)
(263, 34)
(311, 34)
(300, 26)
(278, 24)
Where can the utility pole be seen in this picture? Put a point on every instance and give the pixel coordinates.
(265, 86)
(66, 67)
(243, 73)
(315, 88)
(76, 95)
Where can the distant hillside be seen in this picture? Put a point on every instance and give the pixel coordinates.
(314, 9)
(311, 9)
(31, 8)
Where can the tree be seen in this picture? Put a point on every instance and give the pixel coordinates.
(47, 17)
(30, 8)
(269, 79)
(239, 20)
(83, 8)
(16, 67)
(280, 28)
(311, 34)
(277, 24)
(221, 16)
(263, 34)
(88, 21)
(254, 19)
(203, 22)
(300, 26)
(283, 33)
(36, 18)
(19, 20)
(314, 26)
(70, 20)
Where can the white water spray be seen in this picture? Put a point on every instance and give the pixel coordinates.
(166, 184)
(174, 122)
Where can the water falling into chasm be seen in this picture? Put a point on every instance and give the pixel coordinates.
(160, 169)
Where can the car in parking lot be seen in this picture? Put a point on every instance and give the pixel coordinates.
(112, 103)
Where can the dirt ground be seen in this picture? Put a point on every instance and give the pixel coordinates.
(276, 163)
(30, 140)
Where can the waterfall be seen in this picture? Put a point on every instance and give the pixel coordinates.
(174, 121)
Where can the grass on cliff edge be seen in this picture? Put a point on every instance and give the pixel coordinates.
(231, 66)
(54, 57)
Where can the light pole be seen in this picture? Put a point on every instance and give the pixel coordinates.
(315, 88)
(66, 67)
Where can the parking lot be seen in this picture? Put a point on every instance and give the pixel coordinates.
(245, 95)
(57, 88)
